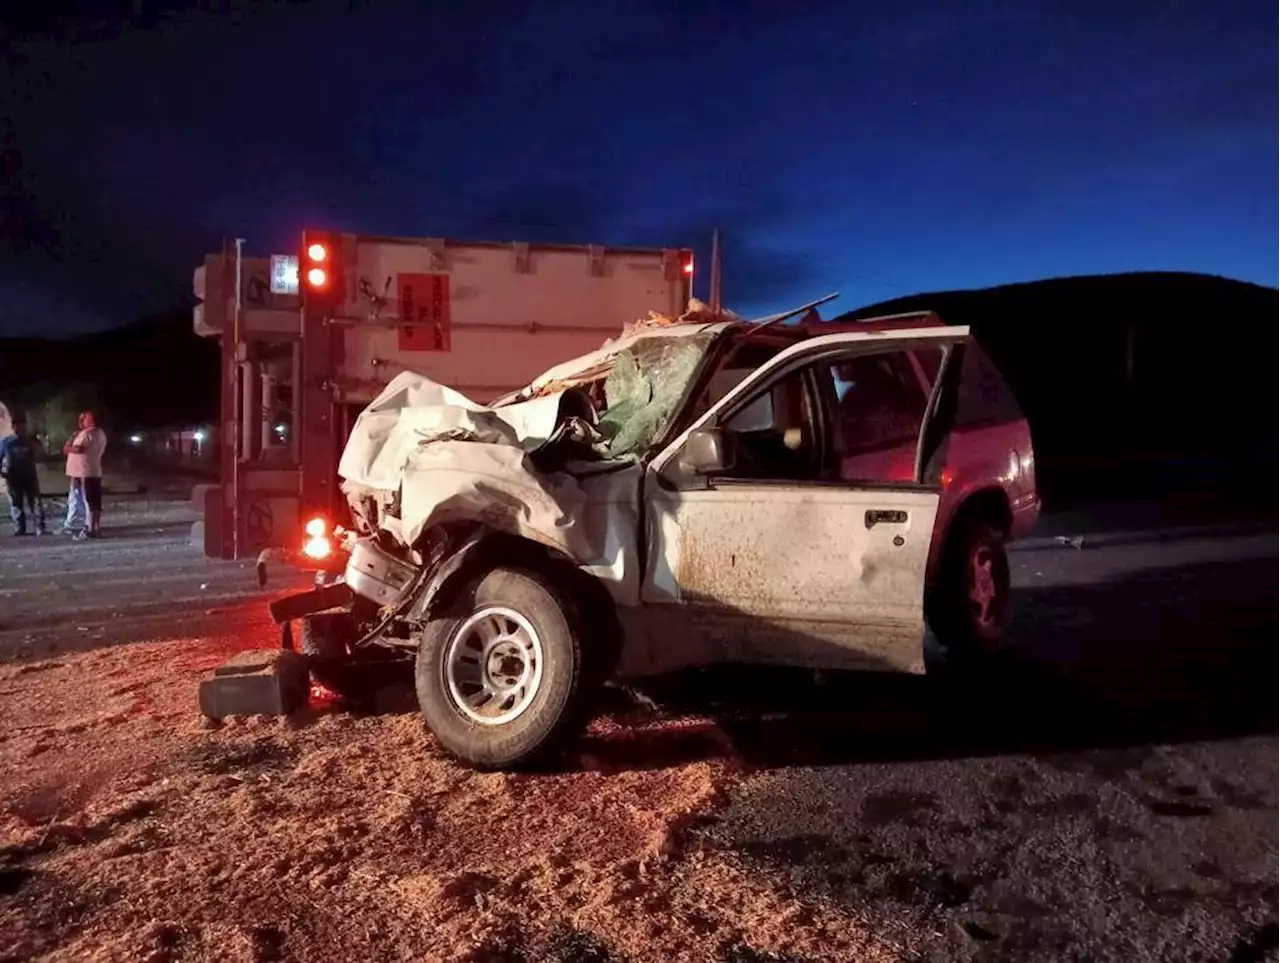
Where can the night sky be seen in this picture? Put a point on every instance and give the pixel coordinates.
(877, 148)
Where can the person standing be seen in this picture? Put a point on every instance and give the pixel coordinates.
(84, 474)
(18, 468)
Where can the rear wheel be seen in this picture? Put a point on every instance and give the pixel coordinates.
(972, 601)
(499, 672)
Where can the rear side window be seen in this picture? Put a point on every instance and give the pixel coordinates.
(984, 397)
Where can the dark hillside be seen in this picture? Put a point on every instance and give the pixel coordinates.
(155, 372)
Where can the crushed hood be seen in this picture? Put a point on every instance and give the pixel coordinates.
(414, 410)
(452, 459)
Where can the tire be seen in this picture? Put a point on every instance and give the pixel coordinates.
(324, 640)
(509, 626)
(971, 605)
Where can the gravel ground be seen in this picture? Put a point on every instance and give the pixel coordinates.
(1106, 790)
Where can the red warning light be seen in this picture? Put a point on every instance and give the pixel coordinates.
(320, 271)
(688, 266)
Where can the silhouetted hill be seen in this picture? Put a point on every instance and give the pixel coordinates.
(154, 372)
(1132, 380)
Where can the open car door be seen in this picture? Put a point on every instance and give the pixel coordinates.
(792, 522)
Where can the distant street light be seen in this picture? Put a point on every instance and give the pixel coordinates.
(135, 439)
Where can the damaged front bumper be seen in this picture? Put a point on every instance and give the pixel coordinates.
(333, 564)
(321, 599)
(367, 571)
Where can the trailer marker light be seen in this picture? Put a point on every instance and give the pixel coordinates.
(317, 252)
(317, 277)
(688, 266)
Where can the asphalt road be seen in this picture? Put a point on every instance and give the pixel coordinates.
(142, 581)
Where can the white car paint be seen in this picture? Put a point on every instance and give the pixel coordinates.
(791, 573)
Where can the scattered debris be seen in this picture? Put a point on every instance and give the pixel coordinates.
(352, 837)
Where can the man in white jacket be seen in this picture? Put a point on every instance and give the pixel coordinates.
(84, 474)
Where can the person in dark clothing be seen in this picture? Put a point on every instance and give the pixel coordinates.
(18, 467)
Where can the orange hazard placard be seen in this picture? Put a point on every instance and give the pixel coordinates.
(424, 311)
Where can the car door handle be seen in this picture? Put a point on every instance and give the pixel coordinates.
(876, 516)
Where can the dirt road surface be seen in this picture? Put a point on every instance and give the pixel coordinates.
(1105, 790)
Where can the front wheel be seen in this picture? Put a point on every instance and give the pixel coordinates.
(499, 672)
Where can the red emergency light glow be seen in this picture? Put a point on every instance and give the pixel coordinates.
(318, 545)
(317, 252)
(688, 266)
(317, 548)
(317, 277)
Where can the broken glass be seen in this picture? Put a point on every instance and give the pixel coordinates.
(643, 389)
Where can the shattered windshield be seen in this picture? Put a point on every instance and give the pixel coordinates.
(643, 388)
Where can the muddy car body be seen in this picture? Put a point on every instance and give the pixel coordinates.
(808, 495)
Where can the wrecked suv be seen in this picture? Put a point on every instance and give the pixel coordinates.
(817, 495)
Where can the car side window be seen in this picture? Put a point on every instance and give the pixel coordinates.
(878, 403)
(983, 397)
(775, 437)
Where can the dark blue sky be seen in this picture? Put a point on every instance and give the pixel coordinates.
(879, 149)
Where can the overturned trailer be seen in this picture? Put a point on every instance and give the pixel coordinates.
(311, 337)
(699, 490)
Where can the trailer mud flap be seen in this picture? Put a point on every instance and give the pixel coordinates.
(307, 603)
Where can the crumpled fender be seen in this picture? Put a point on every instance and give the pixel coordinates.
(483, 546)
(471, 548)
